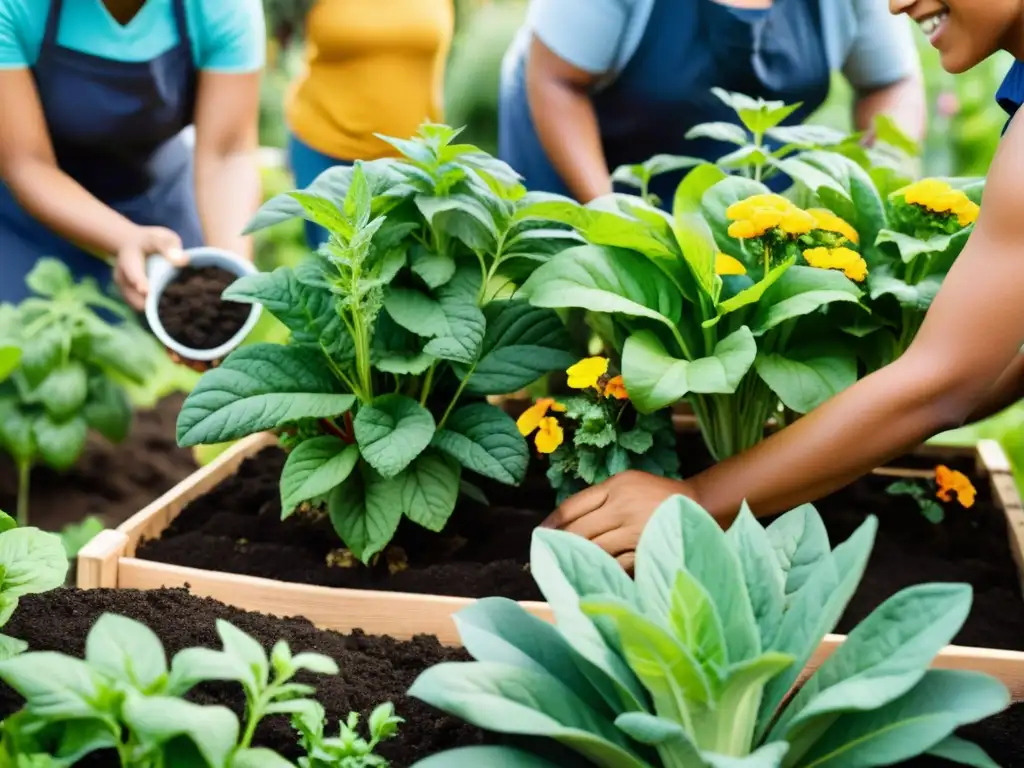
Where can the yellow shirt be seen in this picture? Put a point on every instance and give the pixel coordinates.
(372, 66)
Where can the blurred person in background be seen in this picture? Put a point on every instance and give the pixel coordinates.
(96, 167)
(590, 85)
(370, 68)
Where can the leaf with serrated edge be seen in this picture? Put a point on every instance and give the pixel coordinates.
(313, 468)
(485, 439)
(392, 431)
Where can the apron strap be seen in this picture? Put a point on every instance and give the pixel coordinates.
(52, 22)
(181, 22)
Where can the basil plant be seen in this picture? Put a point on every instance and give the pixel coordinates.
(401, 325)
(735, 327)
(71, 374)
(693, 664)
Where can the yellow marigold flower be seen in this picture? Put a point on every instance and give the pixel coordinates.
(549, 435)
(744, 209)
(924, 192)
(796, 222)
(532, 416)
(727, 265)
(848, 262)
(744, 230)
(766, 218)
(829, 222)
(586, 373)
(952, 482)
(616, 387)
(968, 213)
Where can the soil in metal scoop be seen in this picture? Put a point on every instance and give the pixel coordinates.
(192, 311)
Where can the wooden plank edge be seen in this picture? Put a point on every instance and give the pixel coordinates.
(993, 459)
(99, 560)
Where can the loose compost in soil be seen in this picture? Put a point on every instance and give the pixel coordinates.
(236, 528)
(373, 669)
(192, 311)
(111, 482)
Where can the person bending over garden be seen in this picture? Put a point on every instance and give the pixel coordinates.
(371, 68)
(590, 85)
(95, 166)
(964, 365)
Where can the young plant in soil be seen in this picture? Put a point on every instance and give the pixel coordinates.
(709, 303)
(71, 374)
(31, 562)
(949, 484)
(124, 698)
(691, 664)
(398, 333)
(607, 435)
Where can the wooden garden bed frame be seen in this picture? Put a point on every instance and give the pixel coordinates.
(109, 561)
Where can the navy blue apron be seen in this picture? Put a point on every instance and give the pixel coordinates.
(1010, 95)
(116, 129)
(688, 47)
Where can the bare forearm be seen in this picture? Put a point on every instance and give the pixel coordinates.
(1007, 390)
(66, 207)
(567, 126)
(877, 419)
(903, 101)
(227, 195)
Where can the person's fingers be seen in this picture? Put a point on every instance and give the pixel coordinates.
(615, 542)
(627, 561)
(132, 266)
(594, 524)
(168, 243)
(135, 298)
(577, 506)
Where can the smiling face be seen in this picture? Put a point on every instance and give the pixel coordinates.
(966, 32)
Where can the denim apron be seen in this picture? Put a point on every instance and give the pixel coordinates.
(116, 129)
(688, 47)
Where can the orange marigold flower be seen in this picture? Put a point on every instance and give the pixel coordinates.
(727, 265)
(616, 388)
(532, 416)
(586, 373)
(829, 222)
(549, 435)
(951, 482)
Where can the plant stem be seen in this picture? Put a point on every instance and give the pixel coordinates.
(427, 383)
(24, 488)
(255, 715)
(758, 164)
(455, 397)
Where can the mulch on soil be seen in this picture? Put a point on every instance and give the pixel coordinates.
(373, 669)
(112, 482)
(192, 311)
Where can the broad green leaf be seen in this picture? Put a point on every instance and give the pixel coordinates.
(62, 393)
(398, 350)
(16, 434)
(156, 720)
(800, 543)
(659, 732)
(919, 296)
(60, 443)
(32, 561)
(638, 175)
(810, 176)
(260, 387)
(434, 269)
(464, 335)
(492, 757)
(697, 625)
(240, 646)
(108, 409)
(313, 468)
(807, 376)
(130, 354)
(416, 311)
(660, 556)
(485, 439)
(425, 491)
(757, 114)
(499, 630)
(49, 277)
(882, 658)
(258, 757)
(604, 280)
(815, 610)
(322, 211)
(508, 699)
(42, 353)
(462, 217)
(392, 431)
(127, 651)
(521, 344)
(364, 513)
(909, 247)
(801, 291)
(53, 685)
(727, 132)
(860, 203)
(7, 522)
(193, 666)
(806, 136)
(10, 359)
(768, 756)
(694, 235)
(752, 294)
(958, 750)
(762, 573)
(654, 378)
(911, 725)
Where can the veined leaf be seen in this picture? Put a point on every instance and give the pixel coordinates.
(800, 543)
(434, 269)
(751, 295)
(156, 720)
(695, 237)
(492, 757)
(728, 132)
(363, 512)
(392, 431)
(63, 392)
(807, 376)
(425, 491)
(256, 388)
(909, 247)
(768, 756)
(918, 296)
(127, 651)
(958, 750)
(761, 572)
(660, 556)
(668, 735)
(860, 203)
(108, 409)
(698, 626)
(313, 468)
(32, 562)
(800, 291)
(59, 443)
(485, 439)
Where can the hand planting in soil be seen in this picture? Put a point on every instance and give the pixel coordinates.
(949, 484)
(70, 376)
(691, 664)
(31, 562)
(192, 311)
(123, 697)
(397, 336)
(607, 436)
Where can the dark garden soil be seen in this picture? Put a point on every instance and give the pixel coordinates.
(112, 482)
(192, 311)
(373, 669)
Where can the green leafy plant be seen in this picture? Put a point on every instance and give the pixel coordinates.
(348, 749)
(123, 697)
(400, 326)
(71, 373)
(31, 562)
(930, 509)
(728, 320)
(693, 663)
(947, 486)
(77, 535)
